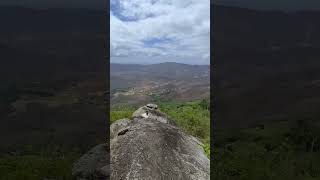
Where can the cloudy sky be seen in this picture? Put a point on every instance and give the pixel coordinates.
(153, 31)
(99, 4)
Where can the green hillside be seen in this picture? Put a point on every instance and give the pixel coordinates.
(193, 117)
(282, 150)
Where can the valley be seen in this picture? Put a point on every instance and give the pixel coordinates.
(140, 84)
(53, 90)
(266, 94)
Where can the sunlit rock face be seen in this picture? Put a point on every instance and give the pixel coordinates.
(150, 146)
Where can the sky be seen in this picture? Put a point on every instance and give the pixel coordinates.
(99, 4)
(155, 31)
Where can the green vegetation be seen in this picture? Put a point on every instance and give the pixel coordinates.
(276, 151)
(50, 148)
(120, 112)
(119, 90)
(50, 163)
(53, 162)
(193, 117)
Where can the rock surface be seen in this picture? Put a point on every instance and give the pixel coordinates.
(153, 148)
(148, 146)
(94, 165)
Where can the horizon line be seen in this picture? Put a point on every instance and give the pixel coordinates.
(159, 63)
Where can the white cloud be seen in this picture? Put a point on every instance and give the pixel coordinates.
(184, 23)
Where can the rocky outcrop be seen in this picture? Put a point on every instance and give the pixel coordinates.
(94, 165)
(148, 146)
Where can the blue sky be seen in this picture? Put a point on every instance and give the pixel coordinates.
(154, 31)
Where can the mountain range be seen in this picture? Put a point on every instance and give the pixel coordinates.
(53, 77)
(138, 84)
(266, 65)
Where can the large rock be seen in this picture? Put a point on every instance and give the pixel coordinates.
(150, 147)
(94, 165)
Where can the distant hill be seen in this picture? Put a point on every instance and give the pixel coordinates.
(51, 42)
(245, 28)
(167, 80)
(53, 77)
(163, 70)
(267, 65)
